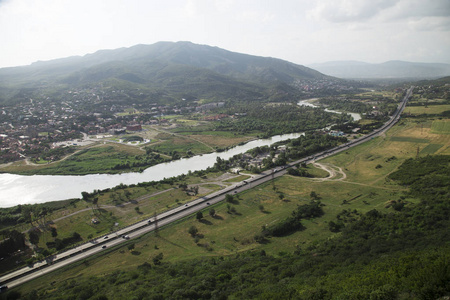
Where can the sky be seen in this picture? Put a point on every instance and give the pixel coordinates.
(300, 31)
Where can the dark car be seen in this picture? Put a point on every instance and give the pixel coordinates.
(104, 246)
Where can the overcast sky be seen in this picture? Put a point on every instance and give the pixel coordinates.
(300, 31)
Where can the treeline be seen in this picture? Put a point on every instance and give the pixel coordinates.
(300, 147)
(363, 105)
(348, 105)
(275, 119)
(363, 128)
(60, 244)
(12, 241)
(30, 213)
(396, 255)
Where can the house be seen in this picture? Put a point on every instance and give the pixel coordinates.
(135, 127)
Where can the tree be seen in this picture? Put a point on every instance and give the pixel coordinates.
(76, 236)
(157, 259)
(212, 212)
(261, 207)
(137, 209)
(314, 195)
(199, 215)
(54, 232)
(193, 231)
(27, 214)
(85, 196)
(95, 202)
(195, 190)
(34, 237)
(229, 198)
(131, 247)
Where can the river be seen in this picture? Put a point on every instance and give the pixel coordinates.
(19, 189)
(307, 102)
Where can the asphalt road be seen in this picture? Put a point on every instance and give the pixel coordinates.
(116, 238)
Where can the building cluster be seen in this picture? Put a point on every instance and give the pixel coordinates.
(311, 85)
(36, 125)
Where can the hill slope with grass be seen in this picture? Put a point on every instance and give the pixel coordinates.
(181, 69)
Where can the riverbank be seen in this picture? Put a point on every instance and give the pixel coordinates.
(19, 189)
(310, 103)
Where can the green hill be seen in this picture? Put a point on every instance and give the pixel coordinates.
(174, 68)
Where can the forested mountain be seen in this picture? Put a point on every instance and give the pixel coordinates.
(167, 67)
(389, 69)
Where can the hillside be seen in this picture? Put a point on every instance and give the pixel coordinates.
(390, 69)
(167, 67)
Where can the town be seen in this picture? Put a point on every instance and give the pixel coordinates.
(41, 124)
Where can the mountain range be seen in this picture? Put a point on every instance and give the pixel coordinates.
(178, 69)
(389, 69)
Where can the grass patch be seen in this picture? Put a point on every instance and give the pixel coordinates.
(171, 143)
(431, 149)
(237, 178)
(440, 127)
(112, 158)
(430, 110)
(408, 139)
(316, 172)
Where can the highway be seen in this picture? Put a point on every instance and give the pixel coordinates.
(133, 231)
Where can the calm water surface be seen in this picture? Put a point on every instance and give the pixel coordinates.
(19, 189)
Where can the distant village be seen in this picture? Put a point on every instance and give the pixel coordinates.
(40, 124)
(36, 126)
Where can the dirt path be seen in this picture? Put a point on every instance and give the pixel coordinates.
(184, 137)
(335, 173)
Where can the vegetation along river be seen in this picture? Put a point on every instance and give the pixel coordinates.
(19, 189)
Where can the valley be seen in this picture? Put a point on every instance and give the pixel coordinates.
(366, 214)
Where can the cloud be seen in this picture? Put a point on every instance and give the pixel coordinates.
(421, 15)
(384, 11)
(256, 16)
(419, 8)
(190, 8)
(341, 11)
(430, 24)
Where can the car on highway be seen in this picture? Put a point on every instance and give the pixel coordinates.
(104, 246)
(105, 237)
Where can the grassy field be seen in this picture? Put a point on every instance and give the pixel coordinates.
(364, 188)
(100, 159)
(440, 127)
(430, 110)
(170, 143)
(431, 149)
